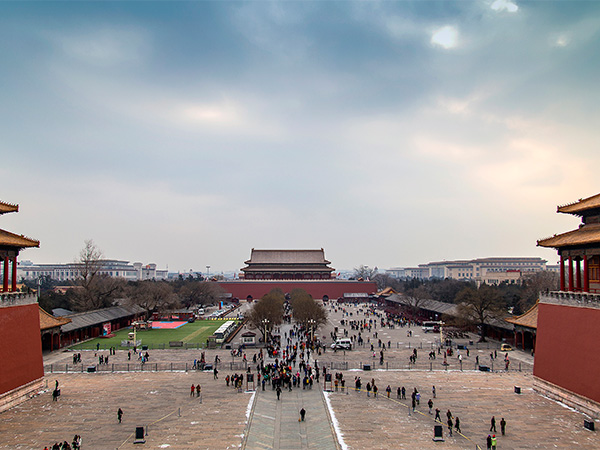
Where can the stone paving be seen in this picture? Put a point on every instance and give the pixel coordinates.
(275, 423)
(161, 401)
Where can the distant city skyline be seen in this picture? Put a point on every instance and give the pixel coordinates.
(388, 133)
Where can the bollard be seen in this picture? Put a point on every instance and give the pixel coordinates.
(179, 412)
(461, 365)
(430, 367)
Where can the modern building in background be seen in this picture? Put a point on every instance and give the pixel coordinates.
(27, 270)
(566, 363)
(492, 271)
(21, 370)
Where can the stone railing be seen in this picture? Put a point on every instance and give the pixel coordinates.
(16, 299)
(585, 299)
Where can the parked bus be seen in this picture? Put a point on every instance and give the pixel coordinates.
(224, 331)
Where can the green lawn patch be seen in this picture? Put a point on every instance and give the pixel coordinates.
(191, 334)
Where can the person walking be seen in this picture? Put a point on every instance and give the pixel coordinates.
(278, 390)
(433, 391)
(215, 373)
(493, 424)
(489, 442)
(437, 415)
(430, 404)
(198, 390)
(120, 414)
(503, 426)
(302, 414)
(368, 389)
(192, 389)
(450, 424)
(457, 424)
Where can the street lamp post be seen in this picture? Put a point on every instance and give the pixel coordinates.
(311, 324)
(208, 273)
(265, 322)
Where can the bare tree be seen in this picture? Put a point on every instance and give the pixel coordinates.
(535, 284)
(415, 298)
(480, 307)
(267, 312)
(200, 293)
(153, 296)
(306, 311)
(364, 272)
(95, 289)
(384, 280)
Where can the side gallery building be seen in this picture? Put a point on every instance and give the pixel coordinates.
(567, 361)
(293, 269)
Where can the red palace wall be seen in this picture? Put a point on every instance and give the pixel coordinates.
(333, 288)
(567, 348)
(20, 346)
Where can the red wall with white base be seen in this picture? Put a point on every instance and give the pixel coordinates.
(20, 346)
(568, 348)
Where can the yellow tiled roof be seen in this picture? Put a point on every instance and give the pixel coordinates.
(587, 234)
(8, 207)
(48, 321)
(581, 205)
(14, 240)
(529, 319)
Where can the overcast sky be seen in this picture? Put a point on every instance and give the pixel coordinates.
(388, 133)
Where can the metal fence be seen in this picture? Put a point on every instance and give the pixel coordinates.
(427, 365)
(424, 365)
(145, 367)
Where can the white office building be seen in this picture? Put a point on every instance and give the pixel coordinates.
(27, 270)
(483, 270)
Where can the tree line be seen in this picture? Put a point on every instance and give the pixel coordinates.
(94, 290)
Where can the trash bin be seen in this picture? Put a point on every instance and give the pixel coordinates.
(484, 368)
(144, 347)
(91, 369)
(517, 389)
(438, 434)
(588, 424)
(366, 366)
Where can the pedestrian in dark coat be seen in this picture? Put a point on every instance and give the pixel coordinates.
(120, 414)
(502, 426)
(493, 424)
(302, 414)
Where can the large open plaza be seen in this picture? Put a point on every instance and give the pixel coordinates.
(222, 417)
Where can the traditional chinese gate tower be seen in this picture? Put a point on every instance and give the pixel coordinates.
(22, 370)
(567, 361)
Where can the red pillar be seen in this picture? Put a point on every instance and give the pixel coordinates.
(562, 273)
(14, 274)
(571, 273)
(5, 277)
(578, 274)
(586, 275)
